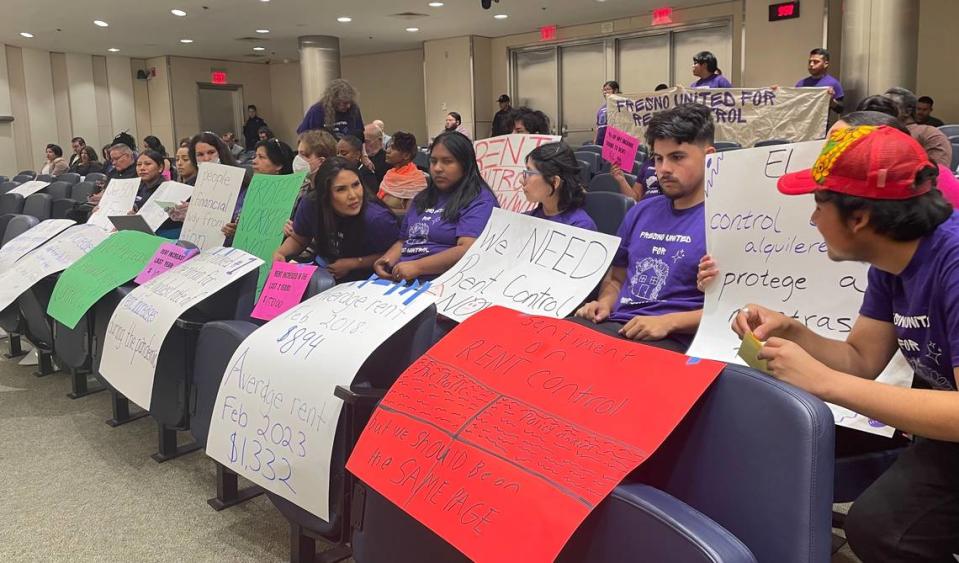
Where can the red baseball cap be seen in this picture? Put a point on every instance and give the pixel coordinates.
(865, 161)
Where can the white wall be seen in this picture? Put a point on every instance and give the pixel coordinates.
(8, 156)
(38, 83)
(82, 94)
(286, 111)
(120, 86)
(390, 87)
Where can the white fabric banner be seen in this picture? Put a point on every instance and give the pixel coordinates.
(212, 204)
(29, 188)
(118, 199)
(27, 241)
(144, 317)
(501, 159)
(275, 416)
(527, 264)
(55, 256)
(768, 253)
(169, 192)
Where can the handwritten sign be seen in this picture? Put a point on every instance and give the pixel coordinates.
(144, 317)
(768, 253)
(211, 207)
(283, 290)
(27, 189)
(30, 239)
(502, 159)
(742, 115)
(506, 434)
(153, 213)
(266, 209)
(166, 257)
(55, 256)
(531, 265)
(275, 416)
(118, 198)
(111, 264)
(619, 147)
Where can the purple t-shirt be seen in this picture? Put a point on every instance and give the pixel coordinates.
(576, 217)
(660, 249)
(380, 227)
(648, 179)
(427, 233)
(823, 81)
(714, 81)
(921, 302)
(601, 125)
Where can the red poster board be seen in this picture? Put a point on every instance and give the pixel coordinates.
(509, 431)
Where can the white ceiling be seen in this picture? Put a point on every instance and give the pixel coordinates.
(222, 29)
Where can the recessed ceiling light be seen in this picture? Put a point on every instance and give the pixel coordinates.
(186, 41)
(412, 29)
(263, 31)
(436, 4)
(501, 16)
(100, 23)
(113, 50)
(25, 34)
(180, 13)
(259, 48)
(344, 19)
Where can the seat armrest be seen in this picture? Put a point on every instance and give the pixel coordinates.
(359, 396)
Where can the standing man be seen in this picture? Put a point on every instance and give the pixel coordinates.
(251, 129)
(78, 145)
(924, 112)
(501, 121)
(819, 77)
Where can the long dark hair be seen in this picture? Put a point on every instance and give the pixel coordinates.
(214, 140)
(328, 222)
(466, 190)
(153, 142)
(279, 154)
(557, 160)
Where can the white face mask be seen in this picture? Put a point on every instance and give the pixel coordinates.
(300, 164)
(215, 160)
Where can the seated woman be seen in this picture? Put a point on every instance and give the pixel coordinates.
(55, 164)
(88, 163)
(403, 180)
(206, 147)
(349, 228)
(445, 219)
(271, 157)
(150, 170)
(185, 169)
(152, 142)
(551, 180)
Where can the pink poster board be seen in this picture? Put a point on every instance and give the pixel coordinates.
(283, 290)
(619, 147)
(166, 257)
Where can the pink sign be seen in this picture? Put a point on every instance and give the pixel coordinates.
(284, 288)
(166, 257)
(620, 148)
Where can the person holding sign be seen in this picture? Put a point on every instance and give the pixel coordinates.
(150, 170)
(877, 202)
(609, 88)
(204, 147)
(445, 219)
(819, 77)
(350, 229)
(403, 180)
(273, 156)
(650, 293)
(551, 180)
(706, 69)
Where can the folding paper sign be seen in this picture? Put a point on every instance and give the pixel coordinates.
(284, 288)
(619, 147)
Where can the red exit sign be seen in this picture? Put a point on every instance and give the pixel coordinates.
(547, 33)
(783, 11)
(218, 77)
(662, 16)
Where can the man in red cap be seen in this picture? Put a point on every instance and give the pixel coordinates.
(876, 202)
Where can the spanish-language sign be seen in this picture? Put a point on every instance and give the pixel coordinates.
(166, 257)
(532, 265)
(211, 207)
(505, 435)
(30, 239)
(117, 199)
(266, 209)
(502, 159)
(154, 213)
(111, 264)
(283, 290)
(56, 255)
(768, 253)
(619, 147)
(27, 189)
(143, 318)
(275, 416)
(742, 115)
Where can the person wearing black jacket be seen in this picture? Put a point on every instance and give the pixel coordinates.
(502, 125)
(251, 129)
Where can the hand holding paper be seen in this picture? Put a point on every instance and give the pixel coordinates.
(749, 352)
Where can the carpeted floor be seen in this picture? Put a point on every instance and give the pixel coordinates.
(74, 489)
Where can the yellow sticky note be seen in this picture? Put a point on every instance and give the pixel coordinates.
(749, 350)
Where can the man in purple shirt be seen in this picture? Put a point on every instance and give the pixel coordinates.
(649, 293)
(706, 69)
(877, 202)
(819, 77)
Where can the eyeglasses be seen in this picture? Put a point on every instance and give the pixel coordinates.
(525, 174)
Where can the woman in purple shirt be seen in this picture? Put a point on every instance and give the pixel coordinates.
(351, 228)
(706, 69)
(551, 179)
(445, 219)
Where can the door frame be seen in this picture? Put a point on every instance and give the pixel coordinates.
(238, 103)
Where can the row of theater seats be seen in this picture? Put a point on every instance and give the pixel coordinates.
(746, 477)
(52, 202)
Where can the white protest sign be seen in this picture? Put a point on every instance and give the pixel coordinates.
(55, 256)
(768, 253)
(211, 207)
(32, 238)
(275, 416)
(155, 215)
(118, 198)
(742, 115)
(144, 317)
(531, 265)
(501, 159)
(29, 188)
